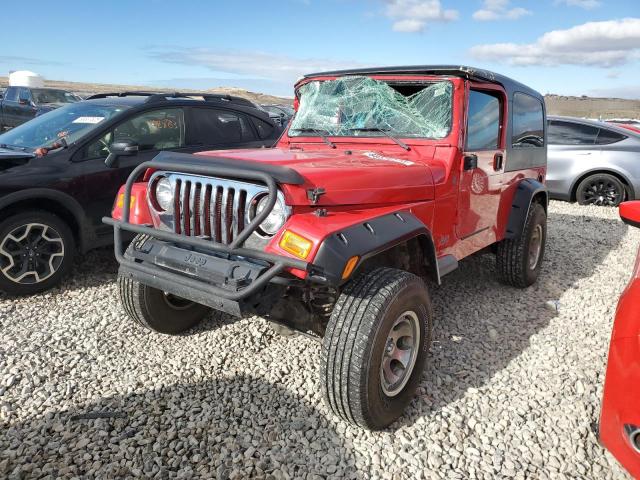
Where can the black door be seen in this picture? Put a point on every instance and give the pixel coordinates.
(153, 130)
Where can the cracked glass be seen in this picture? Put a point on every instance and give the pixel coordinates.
(362, 106)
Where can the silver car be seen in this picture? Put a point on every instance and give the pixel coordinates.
(593, 163)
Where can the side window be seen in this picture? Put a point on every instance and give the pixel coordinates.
(607, 137)
(264, 129)
(483, 122)
(210, 126)
(11, 94)
(153, 130)
(528, 121)
(568, 133)
(24, 94)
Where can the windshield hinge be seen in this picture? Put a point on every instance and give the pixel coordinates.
(314, 194)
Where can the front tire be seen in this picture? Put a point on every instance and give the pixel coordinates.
(375, 347)
(157, 310)
(600, 189)
(37, 249)
(518, 260)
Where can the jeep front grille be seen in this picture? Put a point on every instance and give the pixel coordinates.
(208, 207)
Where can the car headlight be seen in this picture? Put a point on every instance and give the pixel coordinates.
(163, 194)
(276, 219)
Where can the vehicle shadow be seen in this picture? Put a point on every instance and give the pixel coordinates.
(236, 427)
(476, 333)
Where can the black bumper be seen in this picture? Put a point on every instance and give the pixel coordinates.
(200, 269)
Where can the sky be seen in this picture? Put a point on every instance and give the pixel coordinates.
(566, 47)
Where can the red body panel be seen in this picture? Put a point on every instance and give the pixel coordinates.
(621, 398)
(364, 177)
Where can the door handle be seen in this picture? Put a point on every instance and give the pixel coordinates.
(470, 161)
(498, 160)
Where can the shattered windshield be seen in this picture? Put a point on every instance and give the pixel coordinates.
(353, 106)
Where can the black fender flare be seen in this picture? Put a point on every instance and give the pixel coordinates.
(66, 201)
(366, 239)
(526, 191)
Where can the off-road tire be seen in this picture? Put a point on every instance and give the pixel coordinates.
(612, 190)
(152, 309)
(355, 341)
(513, 255)
(60, 230)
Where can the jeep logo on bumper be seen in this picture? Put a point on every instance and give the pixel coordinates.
(195, 260)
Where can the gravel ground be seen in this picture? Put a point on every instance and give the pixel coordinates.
(512, 388)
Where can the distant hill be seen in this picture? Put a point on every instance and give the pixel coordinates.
(86, 89)
(588, 107)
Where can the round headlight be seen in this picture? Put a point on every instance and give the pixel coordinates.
(276, 219)
(164, 194)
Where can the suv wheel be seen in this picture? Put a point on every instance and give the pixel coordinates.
(375, 346)
(154, 309)
(36, 251)
(518, 260)
(600, 189)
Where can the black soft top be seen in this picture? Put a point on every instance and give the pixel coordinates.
(510, 85)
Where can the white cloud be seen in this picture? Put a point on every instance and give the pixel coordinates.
(603, 44)
(499, 10)
(247, 64)
(414, 15)
(586, 4)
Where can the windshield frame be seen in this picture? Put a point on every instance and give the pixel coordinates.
(456, 84)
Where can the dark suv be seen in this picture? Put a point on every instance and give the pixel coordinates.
(55, 187)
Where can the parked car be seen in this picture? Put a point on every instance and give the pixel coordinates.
(620, 417)
(593, 163)
(377, 183)
(633, 126)
(55, 187)
(20, 104)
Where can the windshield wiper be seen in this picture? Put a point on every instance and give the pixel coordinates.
(384, 132)
(322, 133)
(13, 147)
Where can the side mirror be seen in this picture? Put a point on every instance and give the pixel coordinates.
(120, 149)
(630, 213)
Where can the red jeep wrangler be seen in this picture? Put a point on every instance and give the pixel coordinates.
(385, 176)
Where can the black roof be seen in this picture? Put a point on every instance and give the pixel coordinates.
(451, 70)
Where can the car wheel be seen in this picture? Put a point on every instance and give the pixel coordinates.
(154, 309)
(36, 251)
(600, 189)
(518, 260)
(375, 347)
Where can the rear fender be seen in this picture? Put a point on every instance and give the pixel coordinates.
(526, 191)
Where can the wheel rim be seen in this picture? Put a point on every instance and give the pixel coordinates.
(176, 303)
(602, 192)
(535, 247)
(400, 352)
(31, 253)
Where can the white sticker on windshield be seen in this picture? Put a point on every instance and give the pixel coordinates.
(88, 120)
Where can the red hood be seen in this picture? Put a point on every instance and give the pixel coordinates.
(364, 176)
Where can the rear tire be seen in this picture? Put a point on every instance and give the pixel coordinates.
(601, 189)
(375, 347)
(155, 309)
(518, 260)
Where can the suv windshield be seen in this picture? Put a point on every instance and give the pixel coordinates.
(362, 106)
(49, 95)
(70, 122)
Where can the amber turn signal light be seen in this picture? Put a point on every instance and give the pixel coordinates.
(295, 244)
(350, 265)
(120, 202)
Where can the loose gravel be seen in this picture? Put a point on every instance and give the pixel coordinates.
(512, 389)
